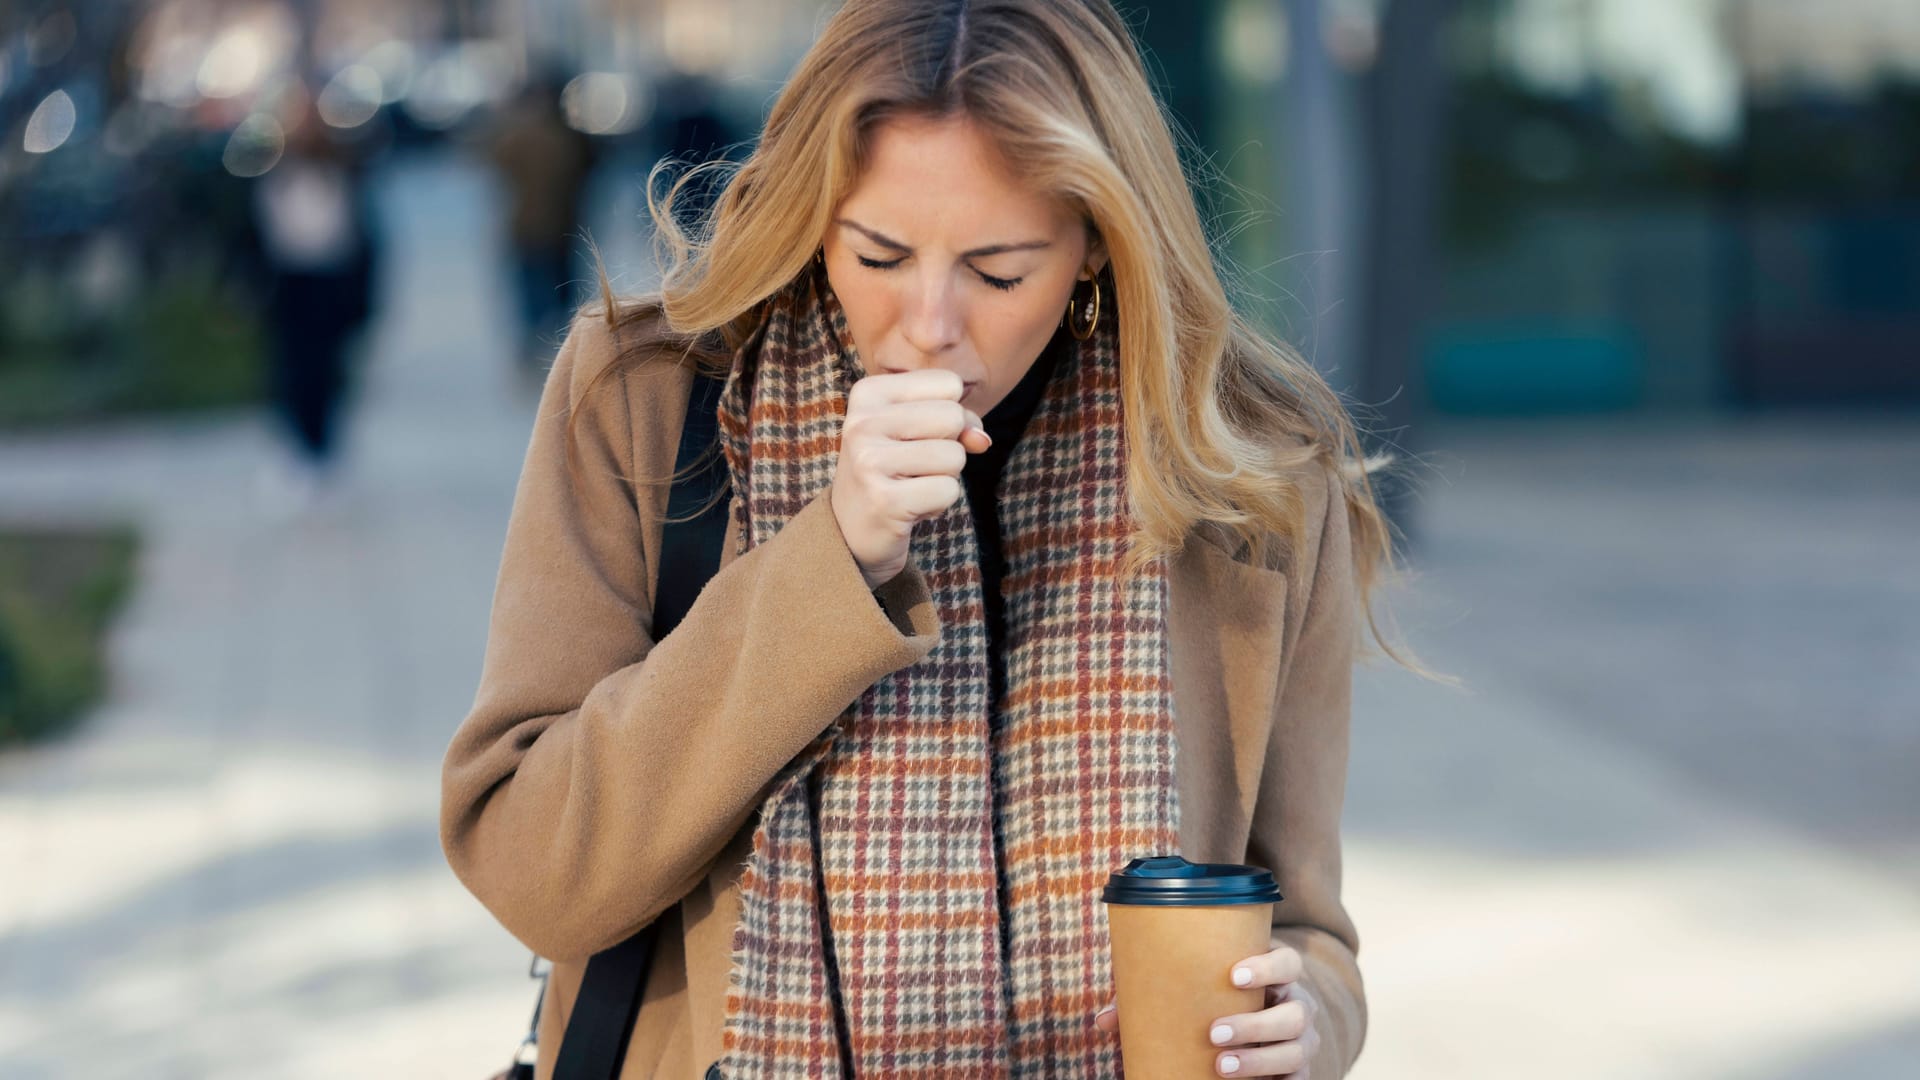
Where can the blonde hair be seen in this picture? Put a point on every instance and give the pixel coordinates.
(1220, 418)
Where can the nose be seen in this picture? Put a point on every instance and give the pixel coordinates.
(931, 320)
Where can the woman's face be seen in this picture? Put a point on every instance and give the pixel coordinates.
(941, 258)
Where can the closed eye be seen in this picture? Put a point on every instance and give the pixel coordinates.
(1003, 284)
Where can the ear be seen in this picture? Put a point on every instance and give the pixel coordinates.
(1096, 259)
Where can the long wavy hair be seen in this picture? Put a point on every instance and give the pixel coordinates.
(1222, 419)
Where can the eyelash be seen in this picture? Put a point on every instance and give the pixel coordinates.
(1003, 284)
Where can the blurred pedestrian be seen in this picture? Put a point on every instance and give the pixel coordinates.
(545, 163)
(320, 251)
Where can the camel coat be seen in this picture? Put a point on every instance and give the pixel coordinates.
(601, 776)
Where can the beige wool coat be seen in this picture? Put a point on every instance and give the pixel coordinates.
(602, 776)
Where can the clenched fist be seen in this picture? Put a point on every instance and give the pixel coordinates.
(905, 439)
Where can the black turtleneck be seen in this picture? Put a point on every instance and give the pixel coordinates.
(1006, 422)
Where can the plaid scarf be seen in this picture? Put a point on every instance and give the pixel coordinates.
(871, 940)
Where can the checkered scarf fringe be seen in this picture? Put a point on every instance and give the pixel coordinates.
(890, 825)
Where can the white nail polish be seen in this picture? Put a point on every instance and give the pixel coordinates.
(1229, 1064)
(1242, 976)
(1221, 1034)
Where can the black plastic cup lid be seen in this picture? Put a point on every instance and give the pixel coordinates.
(1171, 881)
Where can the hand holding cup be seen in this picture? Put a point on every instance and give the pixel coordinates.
(1278, 1040)
(1194, 993)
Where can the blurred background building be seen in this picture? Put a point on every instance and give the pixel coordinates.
(1690, 204)
(1632, 286)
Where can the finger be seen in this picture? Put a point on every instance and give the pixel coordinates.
(1283, 1059)
(908, 420)
(924, 496)
(925, 384)
(1282, 965)
(1108, 1018)
(1287, 1020)
(922, 457)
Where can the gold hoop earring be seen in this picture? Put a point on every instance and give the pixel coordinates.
(1091, 309)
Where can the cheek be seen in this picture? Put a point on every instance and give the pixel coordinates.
(871, 309)
(1033, 320)
(1010, 338)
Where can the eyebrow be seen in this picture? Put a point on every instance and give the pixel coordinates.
(977, 253)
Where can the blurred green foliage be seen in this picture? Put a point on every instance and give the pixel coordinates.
(58, 592)
(180, 342)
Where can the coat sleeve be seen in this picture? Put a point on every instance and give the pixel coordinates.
(599, 773)
(1296, 825)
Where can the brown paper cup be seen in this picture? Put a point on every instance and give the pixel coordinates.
(1172, 967)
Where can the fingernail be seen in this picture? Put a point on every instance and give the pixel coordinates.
(1104, 1010)
(1221, 1034)
(1229, 1064)
(1242, 976)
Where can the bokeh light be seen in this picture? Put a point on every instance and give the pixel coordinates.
(255, 146)
(351, 97)
(603, 103)
(51, 124)
(393, 62)
(236, 64)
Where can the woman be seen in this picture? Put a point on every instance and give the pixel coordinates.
(1042, 560)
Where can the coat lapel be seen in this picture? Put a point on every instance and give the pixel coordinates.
(1227, 621)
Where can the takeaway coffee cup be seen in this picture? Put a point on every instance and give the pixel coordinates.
(1176, 929)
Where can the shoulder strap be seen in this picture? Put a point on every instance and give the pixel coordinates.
(690, 549)
(602, 1017)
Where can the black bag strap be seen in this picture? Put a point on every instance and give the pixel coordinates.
(602, 1017)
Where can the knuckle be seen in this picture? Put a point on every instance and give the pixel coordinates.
(1292, 1021)
(857, 428)
(1288, 1058)
(1287, 964)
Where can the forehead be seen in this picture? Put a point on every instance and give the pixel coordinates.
(945, 175)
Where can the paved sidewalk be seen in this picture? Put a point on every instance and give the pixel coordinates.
(233, 870)
(1665, 836)
(1673, 829)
